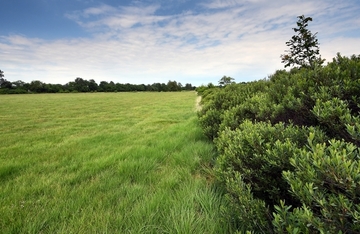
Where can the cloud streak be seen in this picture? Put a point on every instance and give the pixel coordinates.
(135, 44)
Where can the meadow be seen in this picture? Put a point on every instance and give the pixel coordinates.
(106, 163)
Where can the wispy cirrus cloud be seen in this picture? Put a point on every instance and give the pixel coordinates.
(115, 18)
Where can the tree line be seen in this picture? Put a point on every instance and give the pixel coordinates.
(82, 85)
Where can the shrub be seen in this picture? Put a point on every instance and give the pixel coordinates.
(326, 180)
(216, 102)
(246, 212)
(280, 171)
(260, 152)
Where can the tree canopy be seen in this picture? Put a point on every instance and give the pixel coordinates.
(304, 46)
(225, 80)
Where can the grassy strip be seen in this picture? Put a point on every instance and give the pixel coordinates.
(105, 162)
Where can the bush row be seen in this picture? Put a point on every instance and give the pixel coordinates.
(288, 148)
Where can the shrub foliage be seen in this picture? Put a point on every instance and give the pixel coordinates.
(288, 148)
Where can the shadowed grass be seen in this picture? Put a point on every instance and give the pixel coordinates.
(105, 163)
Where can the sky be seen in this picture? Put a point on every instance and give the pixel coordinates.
(154, 41)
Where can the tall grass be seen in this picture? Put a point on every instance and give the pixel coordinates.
(105, 163)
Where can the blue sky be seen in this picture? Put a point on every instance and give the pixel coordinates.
(148, 41)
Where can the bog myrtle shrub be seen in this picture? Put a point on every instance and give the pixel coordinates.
(260, 152)
(288, 154)
(326, 180)
(216, 102)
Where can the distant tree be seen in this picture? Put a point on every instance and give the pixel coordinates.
(20, 86)
(120, 87)
(211, 85)
(18, 83)
(6, 84)
(37, 86)
(69, 87)
(225, 80)
(164, 87)
(141, 87)
(156, 87)
(2, 80)
(103, 86)
(149, 88)
(54, 88)
(179, 86)
(173, 86)
(129, 87)
(81, 85)
(93, 86)
(188, 86)
(111, 87)
(304, 46)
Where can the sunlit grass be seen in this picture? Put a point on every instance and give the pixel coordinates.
(105, 163)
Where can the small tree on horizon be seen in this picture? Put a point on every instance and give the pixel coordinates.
(225, 80)
(2, 80)
(304, 47)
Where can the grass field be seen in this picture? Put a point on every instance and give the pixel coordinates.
(105, 163)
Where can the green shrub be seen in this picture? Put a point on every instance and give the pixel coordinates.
(353, 128)
(210, 122)
(250, 164)
(277, 179)
(326, 180)
(216, 102)
(246, 212)
(332, 115)
(256, 108)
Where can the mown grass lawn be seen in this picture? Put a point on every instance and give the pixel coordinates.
(105, 163)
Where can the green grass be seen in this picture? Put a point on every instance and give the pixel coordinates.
(105, 163)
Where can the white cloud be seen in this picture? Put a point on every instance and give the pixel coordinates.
(101, 10)
(219, 4)
(242, 39)
(115, 18)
